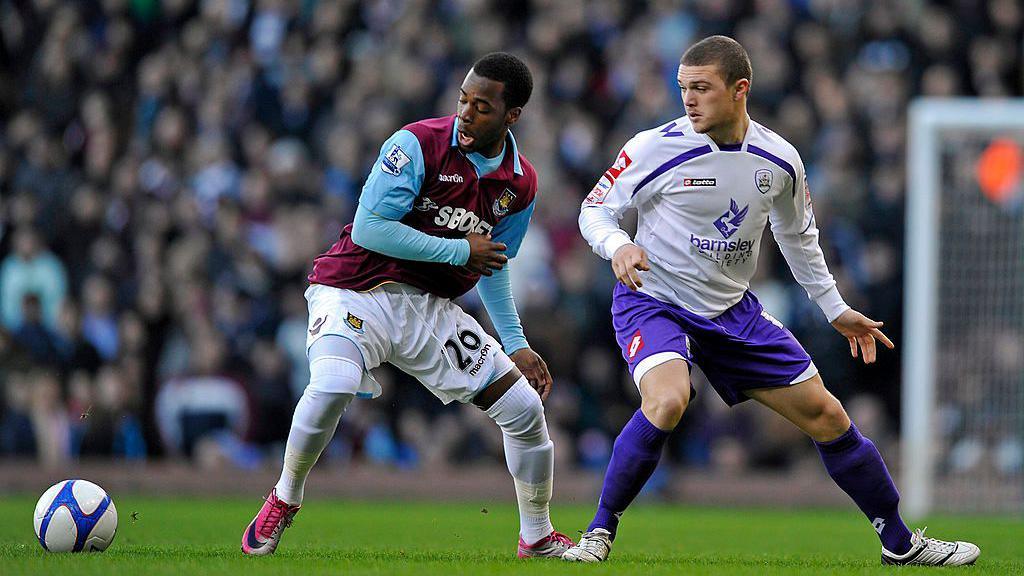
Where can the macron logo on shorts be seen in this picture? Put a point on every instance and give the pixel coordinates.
(635, 344)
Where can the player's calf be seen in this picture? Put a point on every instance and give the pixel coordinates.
(529, 454)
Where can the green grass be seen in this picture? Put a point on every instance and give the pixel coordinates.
(183, 536)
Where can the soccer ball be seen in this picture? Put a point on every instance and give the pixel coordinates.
(75, 516)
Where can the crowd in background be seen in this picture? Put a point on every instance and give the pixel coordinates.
(170, 168)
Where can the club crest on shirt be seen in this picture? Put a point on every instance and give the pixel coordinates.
(394, 160)
(354, 322)
(733, 218)
(763, 180)
(503, 203)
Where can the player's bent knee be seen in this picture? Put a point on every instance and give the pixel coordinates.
(665, 393)
(665, 410)
(520, 414)
(321, 410)
(830, 422)
(335, 367)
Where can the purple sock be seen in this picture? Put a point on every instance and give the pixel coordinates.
(634, 458)
(856, 466)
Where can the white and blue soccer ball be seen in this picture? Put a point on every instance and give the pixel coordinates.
(75, 516)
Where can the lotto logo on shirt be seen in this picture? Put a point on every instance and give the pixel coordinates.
(604, 185)
(699, 181)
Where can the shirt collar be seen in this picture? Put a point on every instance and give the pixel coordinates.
(517, 167)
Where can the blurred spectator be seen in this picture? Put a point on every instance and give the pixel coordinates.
(31, 269)
(110, 424)
(33, 336)
(17, 438)
(204, 401)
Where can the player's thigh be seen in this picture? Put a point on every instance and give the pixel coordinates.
(648, 334)
(355, 318)
(808, 405)
(448, 351)
(749, 349)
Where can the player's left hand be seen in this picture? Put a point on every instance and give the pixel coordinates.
(862, 332)
(535, 369)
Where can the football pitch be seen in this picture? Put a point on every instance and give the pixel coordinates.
(190, 536)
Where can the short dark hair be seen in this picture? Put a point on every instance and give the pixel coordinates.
(510, 71)
(724, 52)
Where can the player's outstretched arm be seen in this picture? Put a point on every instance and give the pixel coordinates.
(627, 263)
(862, 332)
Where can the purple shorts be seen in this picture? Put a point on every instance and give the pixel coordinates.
(742, 348)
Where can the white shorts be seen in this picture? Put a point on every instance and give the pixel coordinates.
(426, 336)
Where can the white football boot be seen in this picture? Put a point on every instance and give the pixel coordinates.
(926, 551)
(594, 546)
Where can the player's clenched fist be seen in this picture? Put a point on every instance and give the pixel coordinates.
(485, 255)
(626, 263)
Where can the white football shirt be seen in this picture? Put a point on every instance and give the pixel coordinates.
(702, 209)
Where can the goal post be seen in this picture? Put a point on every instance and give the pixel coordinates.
(953, 294)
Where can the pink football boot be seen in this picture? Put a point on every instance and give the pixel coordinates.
(264, 532)
(551, 546)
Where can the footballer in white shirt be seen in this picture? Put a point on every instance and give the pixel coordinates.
(705, 185)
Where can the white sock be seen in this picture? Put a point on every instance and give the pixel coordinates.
(313, 424)
(530, 456)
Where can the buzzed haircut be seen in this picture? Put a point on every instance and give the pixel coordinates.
(724, 52)
(510, 71)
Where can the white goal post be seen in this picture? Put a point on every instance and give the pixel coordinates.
(930, 122)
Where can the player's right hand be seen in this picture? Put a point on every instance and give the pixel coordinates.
(627, 262)
(485, 255)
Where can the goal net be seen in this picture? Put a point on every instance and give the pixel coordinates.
(963, 366)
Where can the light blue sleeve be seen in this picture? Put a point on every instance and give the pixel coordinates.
(392, 238)
(511, 230)
(496, 290)
(496, 294)
(395, 179)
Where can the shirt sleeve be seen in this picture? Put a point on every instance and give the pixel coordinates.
(512, 229)
(392, 238)
(496, 294)
(616, 191)
(395, 179)
(792, 221)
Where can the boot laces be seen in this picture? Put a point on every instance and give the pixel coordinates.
(276, 519)
(934, 543)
